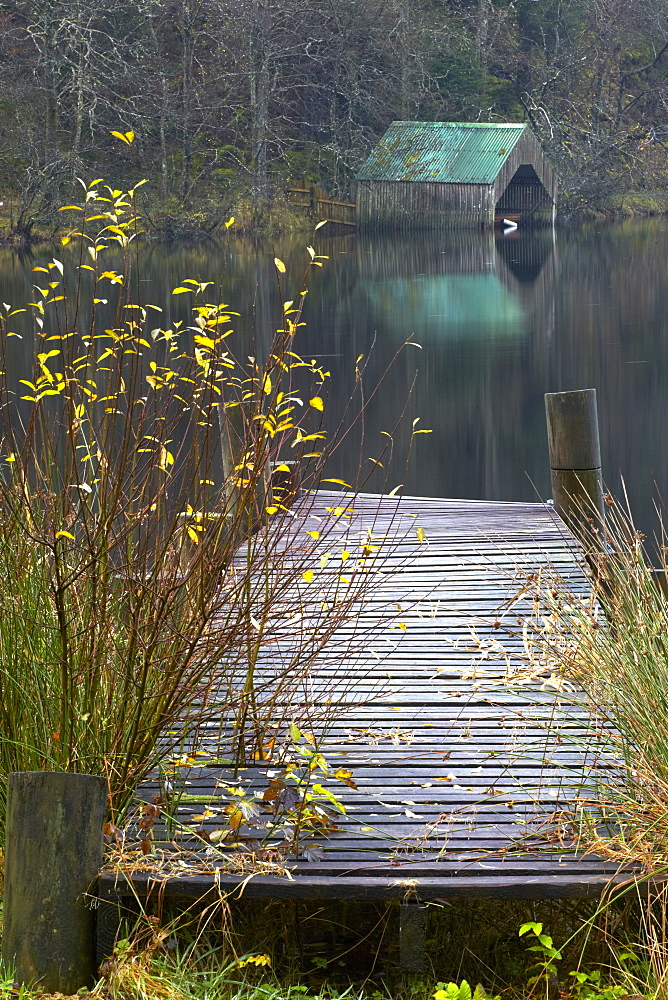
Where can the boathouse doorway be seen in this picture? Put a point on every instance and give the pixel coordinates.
(526, 200)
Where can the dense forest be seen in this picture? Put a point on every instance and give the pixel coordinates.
(229, 98)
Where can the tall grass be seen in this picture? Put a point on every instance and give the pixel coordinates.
(596, 638)
(603, 642)
(145, 532)
(609, 641)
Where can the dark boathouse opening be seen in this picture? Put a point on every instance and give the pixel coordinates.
(525, 200)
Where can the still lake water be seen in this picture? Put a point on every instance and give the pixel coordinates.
(500, 322)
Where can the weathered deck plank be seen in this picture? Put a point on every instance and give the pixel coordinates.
(461, 781)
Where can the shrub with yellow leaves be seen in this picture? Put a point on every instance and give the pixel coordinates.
(135, 459)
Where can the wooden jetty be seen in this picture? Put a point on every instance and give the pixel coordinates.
(463, 778)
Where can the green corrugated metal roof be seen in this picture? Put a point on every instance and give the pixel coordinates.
(446, 152)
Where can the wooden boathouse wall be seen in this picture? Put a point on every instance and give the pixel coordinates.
(395, 189)
(422, 205)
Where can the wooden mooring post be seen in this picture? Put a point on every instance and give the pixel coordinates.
(53, 854)
(575, 463)
(411, 936)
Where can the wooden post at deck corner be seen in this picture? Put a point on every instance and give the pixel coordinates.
(411, 936)
(575, 463)
(53, 854)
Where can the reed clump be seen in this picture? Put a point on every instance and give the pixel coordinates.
(607, 641)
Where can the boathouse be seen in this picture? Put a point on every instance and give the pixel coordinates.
(440, 175)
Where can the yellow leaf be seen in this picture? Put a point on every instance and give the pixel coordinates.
(346, 776)
(253, 960)
(280, 266)
(126, 137)
(204, 341)
(70, 208)
(420, 534)
(308, 575)
(180, 290)
(166, 459)
(230, 222)
(313, 534)
(323, 223)
(339, 481)
(316, 403)
(64, 534)
(307, 437)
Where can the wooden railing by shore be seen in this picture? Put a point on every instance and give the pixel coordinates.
(320, 206)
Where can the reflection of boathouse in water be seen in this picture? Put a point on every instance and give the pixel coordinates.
(467, 284)
(440, 175)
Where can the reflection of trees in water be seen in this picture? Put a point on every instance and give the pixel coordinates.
(464, 305)
(594, 315)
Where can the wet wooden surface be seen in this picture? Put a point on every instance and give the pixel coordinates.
(465, 765)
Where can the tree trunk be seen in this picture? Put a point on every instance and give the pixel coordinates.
(259, 107)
